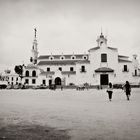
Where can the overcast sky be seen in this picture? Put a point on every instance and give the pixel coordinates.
(66, 26)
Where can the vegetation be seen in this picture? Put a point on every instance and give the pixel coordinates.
(19, 70)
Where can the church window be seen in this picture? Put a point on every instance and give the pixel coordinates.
(26, 81)
(27, 73)
(62, 57)
(71, 69)
(125, 68)
(51, 57)
(103, 57)
(48, 69)
(44, 82)
(17, 79)
(83, 69)
(12, 78)
(60, 68)
(135, 72)
(73, 57)
(85, 57)
(34, 73)
(33, 81)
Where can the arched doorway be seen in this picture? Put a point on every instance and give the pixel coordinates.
(57, 81)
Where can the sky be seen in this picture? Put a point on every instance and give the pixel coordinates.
(66, 26)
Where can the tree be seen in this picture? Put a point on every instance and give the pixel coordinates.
(19, 70)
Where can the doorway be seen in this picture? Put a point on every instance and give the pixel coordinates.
(104, 79)
(57, 81)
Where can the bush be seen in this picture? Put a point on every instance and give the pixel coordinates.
(117, 86)
(71, 84)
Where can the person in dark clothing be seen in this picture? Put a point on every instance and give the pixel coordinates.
(127, 89)
(110, 91)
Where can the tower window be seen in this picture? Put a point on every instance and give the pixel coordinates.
(48, 69)
(12, 78)
(101, 43)
(103, 57)
(60, 68)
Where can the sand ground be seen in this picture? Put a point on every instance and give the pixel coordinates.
(69, 114)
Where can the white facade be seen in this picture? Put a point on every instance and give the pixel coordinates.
(100, 66)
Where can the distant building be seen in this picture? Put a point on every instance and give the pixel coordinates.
(101, 65)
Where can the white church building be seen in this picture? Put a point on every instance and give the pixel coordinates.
(101, 65)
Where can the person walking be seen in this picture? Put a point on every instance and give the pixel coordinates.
(127, 89)
(110, 91)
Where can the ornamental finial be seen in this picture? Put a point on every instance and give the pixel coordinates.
(35, 32)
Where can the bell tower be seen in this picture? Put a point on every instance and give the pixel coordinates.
(101, 40)
(34, 50)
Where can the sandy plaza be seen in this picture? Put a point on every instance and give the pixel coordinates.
(69, 114)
